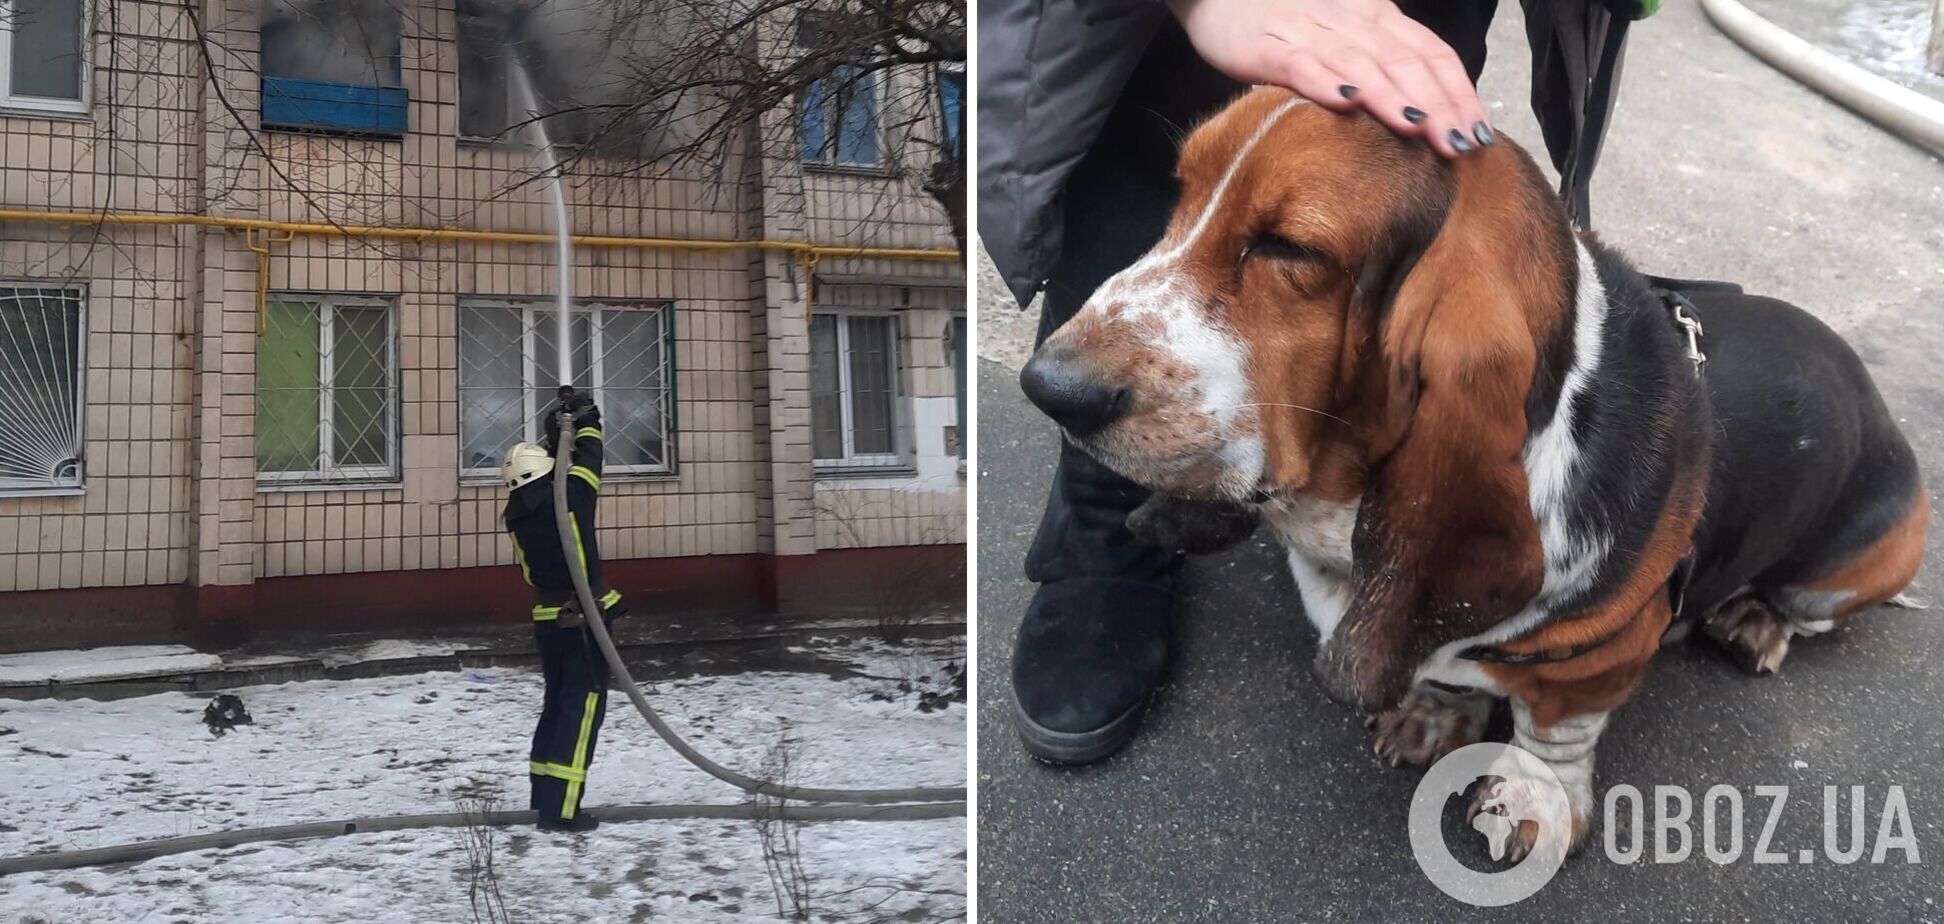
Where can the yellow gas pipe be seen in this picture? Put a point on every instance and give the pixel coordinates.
(259, 242)
(260, 233)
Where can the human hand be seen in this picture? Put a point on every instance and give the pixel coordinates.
(1343, 55)
(581, 409)
(586, 414)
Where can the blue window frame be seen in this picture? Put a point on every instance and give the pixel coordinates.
(951, 96)
(849, 101)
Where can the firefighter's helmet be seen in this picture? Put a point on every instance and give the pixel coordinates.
(525, 463)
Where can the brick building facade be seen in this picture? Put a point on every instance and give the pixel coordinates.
(214, 429)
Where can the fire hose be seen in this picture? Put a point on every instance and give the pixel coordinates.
(563, 459)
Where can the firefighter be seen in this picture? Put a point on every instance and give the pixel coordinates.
(576, 674)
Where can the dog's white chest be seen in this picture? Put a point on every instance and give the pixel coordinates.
(1318, 530)
(1317, 535)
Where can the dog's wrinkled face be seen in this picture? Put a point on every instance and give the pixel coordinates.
(1337, 313)
(1217, 366)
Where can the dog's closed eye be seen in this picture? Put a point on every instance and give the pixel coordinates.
(1273, 246)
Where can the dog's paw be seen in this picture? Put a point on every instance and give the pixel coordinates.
(1192, 526)
(1429, 724)
(1754, 635)
(1512, 813)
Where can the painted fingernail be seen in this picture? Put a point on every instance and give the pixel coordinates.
(1413, 114)
(1483, 133)
(1458, 141)
(1348, 91)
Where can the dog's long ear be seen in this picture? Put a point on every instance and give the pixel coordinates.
(1445, 544)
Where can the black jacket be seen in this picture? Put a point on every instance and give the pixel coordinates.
(529, 518)
(1050, 72)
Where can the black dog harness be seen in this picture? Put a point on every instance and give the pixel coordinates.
(1687, 323)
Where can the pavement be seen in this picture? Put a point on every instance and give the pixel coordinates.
(1251, 797)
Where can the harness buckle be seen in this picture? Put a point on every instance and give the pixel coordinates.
(1691, 326)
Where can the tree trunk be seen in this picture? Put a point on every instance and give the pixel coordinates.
(947, 185)
(1937, 37)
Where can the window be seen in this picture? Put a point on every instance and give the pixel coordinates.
(327, 390)
(840, 120)
(350, 42)
(854, 409)
(333, 65)
(490, 101)
(577, 68)
(951, 96)
(623, 353)
(41, 375)
(43, 55)
(961, 349)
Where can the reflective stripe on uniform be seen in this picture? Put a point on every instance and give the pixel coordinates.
(610, 599)
(586, 474)
(594, 432)
(543, 613)
(567, 805)
(519, 555)
(557, 771)
(573, 519)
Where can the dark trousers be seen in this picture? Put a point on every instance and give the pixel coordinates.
(1116, 206)
(570, 717)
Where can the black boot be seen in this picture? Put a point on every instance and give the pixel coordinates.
(1094, 643)
(1095, 640)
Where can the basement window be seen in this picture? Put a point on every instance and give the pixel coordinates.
(43, 368)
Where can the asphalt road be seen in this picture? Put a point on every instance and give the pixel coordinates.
(1250, 797)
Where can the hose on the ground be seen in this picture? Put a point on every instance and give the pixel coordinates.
(1904, 111)
(584, 592)
(149, 850)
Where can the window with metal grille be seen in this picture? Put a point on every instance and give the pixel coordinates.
(855, 414)
(623, 354)
(327, 390)
(42, 370)
(43, 55)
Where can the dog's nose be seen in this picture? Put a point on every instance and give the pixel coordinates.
(1056, 382)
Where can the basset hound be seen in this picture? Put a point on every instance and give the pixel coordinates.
(1499, 461)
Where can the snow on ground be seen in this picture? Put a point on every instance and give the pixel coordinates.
(1892, 38)
(97, 664)
(1888, 37)
(390, 648)
(88, 774)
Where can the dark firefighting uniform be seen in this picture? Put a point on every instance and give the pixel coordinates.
(576, 675)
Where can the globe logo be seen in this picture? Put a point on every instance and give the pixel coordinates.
(1521, 789)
